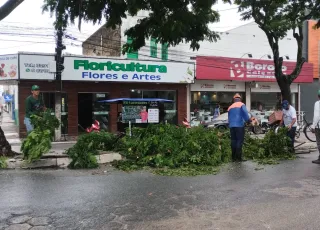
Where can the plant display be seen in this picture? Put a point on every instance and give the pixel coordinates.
(3, 162)
(170, 150)
(83, 153)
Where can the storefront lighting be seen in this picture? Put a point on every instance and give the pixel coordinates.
(249, 55)
(257, 85)
(199, 93)
(268, 55)
(132, 90)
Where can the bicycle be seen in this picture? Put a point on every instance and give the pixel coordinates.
(305, 127)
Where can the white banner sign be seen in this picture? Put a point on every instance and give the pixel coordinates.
(218, 86)
(34, 66)
(9, 67)
(153, 115)
(272, 87)
(98, 69)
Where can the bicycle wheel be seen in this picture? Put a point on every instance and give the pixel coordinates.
(309, 134)
(257, 130)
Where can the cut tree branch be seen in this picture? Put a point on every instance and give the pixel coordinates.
(8, 7)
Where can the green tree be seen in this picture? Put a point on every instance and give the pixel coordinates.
(169, 22)
(277, 18)
(8, 7)
(5, 10)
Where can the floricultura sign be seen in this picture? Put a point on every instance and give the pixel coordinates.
(95, 69)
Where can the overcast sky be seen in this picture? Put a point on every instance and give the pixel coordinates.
(27, 29)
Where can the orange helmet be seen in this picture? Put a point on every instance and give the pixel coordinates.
(237, 96)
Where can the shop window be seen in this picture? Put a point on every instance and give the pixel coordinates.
(164, 52)
(131, 54)
(263, 101)
(169, 108)
(153, 48)
(203, 104)
(49, 101)
(90, 109)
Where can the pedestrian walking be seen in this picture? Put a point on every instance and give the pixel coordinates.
(34, 104)
(289, 120)
(2, 104)
(216, 111)
(316, 125)
(237, 116)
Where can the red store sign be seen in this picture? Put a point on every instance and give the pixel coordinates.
(239, 69)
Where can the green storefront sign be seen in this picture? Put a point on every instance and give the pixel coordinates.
(116, 66)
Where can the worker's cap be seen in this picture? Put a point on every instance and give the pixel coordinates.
(35, 87)
(236, 96)
(285, 104)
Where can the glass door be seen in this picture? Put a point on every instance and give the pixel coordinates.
(49, 102)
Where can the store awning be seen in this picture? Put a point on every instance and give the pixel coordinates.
(116, 100)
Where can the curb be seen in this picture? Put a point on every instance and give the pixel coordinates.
(58, 161)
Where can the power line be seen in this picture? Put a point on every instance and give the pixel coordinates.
(221, 61)
(178, 53)
(123, 42)
(211, 66)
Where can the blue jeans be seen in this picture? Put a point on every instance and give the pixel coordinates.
(291, 134)
(28, 124)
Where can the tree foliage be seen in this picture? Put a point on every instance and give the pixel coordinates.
(277, 18)
(169, 21)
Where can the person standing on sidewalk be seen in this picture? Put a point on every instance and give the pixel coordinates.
(316, 125)
(237, 116)
(34, 104)
(289, 119)
(2, 104)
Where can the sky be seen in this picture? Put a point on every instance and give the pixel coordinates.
(28, 29)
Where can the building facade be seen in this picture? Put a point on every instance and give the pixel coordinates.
(86, 80)
(312, 54)
(218, 78)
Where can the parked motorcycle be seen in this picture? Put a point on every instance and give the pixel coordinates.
(95, 127)
(186, 123)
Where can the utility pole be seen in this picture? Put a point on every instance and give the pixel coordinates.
(59, 68)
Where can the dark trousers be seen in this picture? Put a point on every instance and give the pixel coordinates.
(237, 139)
(291, 134)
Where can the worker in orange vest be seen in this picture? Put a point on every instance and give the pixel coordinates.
(237, 116)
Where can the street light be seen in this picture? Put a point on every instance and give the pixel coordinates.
(268, 55)
(286, 56)
(249, 55)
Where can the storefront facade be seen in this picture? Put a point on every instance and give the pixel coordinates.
(88, 80)
(218, 78)
(205, 94)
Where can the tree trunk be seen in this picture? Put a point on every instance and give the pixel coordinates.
(284, 88)
(8, 7)
(5, 147)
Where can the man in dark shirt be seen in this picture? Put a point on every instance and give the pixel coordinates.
(34, 105)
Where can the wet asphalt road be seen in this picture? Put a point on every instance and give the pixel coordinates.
(285, 196)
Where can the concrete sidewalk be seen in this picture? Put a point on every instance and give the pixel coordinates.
(11, 132)
(10, 129)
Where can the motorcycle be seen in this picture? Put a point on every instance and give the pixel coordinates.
(189, 124)
(186, 123)
(95, 127)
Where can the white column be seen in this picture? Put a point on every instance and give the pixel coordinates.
(188, 102)
(299, 99)
(248, 96)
